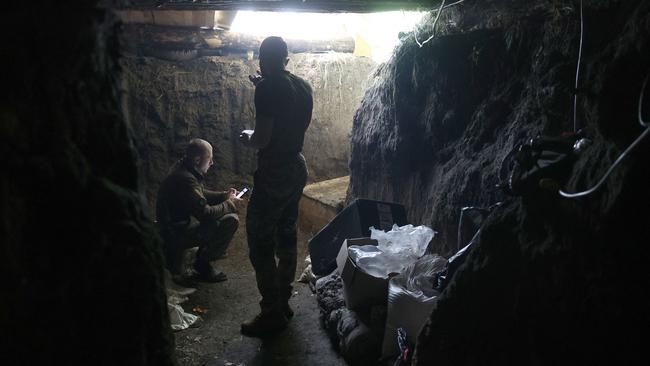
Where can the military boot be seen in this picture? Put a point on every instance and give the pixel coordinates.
(206, 273)
(265, 323)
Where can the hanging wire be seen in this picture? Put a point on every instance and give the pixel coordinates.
(442, 7)
(471, 208)
(433, 31)
(641, 121)
(575, 89)
(620, 158)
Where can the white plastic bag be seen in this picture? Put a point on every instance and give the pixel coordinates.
(375, 262)
(411, 298)
(407, 240)
(177, 295)
(307, 275)
(396, 249)
(179, 319)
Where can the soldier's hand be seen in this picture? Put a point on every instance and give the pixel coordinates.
(255, 79)
(232, 197)
(245, 136)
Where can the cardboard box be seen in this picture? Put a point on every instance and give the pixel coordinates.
(360, 289)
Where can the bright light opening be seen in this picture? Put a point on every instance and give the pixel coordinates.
(375, 34)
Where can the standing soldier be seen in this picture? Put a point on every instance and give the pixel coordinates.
(283, 107)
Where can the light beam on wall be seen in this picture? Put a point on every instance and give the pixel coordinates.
(378, 32)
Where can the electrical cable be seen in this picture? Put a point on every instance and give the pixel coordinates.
(442, 7)
(575, 89)
(623, 154)
(433, 31)
(641, 121)
(471, 208)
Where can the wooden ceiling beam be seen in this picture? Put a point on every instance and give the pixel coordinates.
(332, 6)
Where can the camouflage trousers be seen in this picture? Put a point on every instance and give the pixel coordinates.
(212, 237)
(271, 228)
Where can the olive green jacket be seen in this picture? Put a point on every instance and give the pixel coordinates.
(182, 196)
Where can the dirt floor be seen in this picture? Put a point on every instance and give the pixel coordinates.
(215, 340)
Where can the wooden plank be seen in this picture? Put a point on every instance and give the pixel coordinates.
(353, 6)
(184, 18)
(141, 36)
(178, 18)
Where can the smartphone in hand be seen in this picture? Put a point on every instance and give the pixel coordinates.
(255, 79)
(242, 192)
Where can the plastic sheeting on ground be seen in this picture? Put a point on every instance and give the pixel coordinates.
(308, 275)
(177, 295)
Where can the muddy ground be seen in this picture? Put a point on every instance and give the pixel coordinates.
(216, 341)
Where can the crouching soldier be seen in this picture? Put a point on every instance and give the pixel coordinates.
(189, 215)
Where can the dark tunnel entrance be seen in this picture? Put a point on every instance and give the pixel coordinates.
(185, 74)
(98, 102)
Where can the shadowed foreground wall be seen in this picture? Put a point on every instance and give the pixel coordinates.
(80, 265)
(551, 280)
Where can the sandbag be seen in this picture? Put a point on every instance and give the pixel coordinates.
(357, 343)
